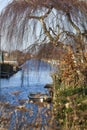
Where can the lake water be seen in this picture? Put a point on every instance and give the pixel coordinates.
(35, 74)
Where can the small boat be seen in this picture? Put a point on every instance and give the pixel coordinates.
(49, 86)
(39, 97)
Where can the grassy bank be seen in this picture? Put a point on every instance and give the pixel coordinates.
(70, 107)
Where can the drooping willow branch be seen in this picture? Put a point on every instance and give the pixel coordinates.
(22, 11)
(73, 24)
(41, 19)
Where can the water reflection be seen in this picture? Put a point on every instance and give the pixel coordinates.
(32, 78)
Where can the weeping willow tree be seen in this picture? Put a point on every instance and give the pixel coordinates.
(34, 22)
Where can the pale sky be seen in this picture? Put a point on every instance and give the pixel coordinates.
(29, 38)
(3, 3)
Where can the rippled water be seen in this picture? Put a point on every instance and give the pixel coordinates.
(35, 74)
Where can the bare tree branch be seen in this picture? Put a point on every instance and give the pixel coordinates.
(73, 24)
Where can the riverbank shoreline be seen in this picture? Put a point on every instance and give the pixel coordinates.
(7, 70)
(39, 116)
